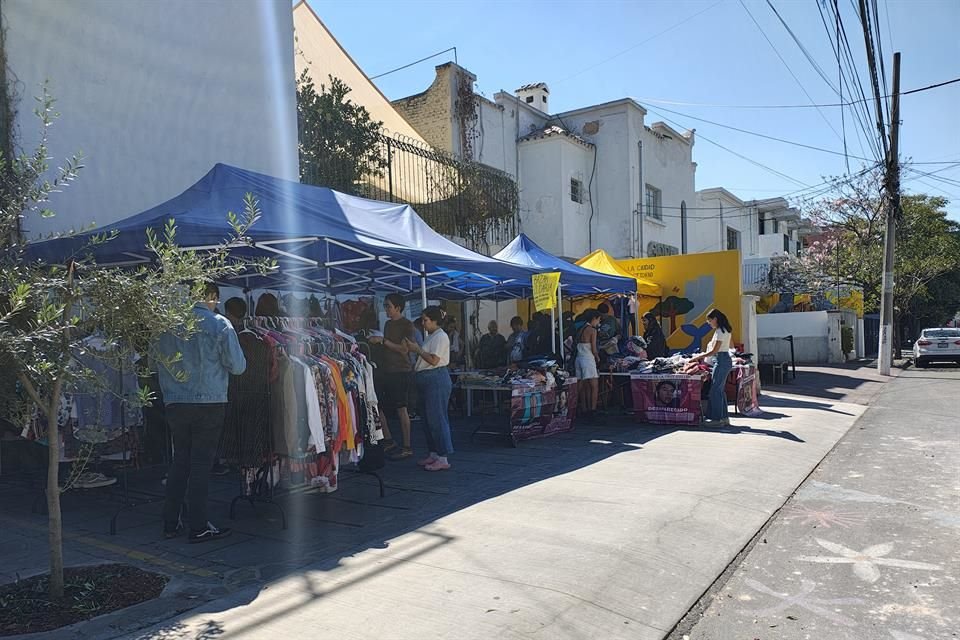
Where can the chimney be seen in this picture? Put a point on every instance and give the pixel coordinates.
(536, 95)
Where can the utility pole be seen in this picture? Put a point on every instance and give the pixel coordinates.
(892, 189)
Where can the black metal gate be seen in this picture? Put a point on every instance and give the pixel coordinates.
(464, 200)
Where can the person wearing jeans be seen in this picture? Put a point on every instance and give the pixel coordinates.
(434, 387)
(194, 389)
(719, 350)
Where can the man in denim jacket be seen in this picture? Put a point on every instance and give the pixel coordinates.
(195, 407)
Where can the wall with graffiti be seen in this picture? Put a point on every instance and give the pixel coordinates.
(692, 285)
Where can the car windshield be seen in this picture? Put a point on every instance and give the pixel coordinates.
(941, 333)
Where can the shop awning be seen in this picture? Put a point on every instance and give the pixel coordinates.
(322, 240)
(575, 280)
(601, 261)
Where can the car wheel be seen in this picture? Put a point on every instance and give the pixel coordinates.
(921, 364)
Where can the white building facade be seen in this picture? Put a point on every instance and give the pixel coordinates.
(590, 178)
(153, 94)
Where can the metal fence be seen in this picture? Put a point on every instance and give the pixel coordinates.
(755, 276)
(464, 200)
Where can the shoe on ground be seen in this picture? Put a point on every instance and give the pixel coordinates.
(92, 480)
(437, 465)
(220, 470)
(425, 462)
(401, 454)
(208, 534)
(169, 533)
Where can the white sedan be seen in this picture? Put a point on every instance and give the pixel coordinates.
(935, 345)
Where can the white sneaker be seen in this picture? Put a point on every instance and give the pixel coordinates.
(92, 480)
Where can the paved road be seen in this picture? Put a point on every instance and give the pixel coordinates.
(869, 547)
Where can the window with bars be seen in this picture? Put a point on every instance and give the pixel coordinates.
(733, 238)
(576, 190)
(653, 203)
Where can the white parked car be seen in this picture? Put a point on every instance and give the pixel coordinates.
(937, 345)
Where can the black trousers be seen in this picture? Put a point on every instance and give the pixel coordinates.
(196, 434)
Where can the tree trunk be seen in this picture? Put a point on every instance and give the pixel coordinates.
(54, 520)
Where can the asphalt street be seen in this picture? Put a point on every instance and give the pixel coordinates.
(869, 546)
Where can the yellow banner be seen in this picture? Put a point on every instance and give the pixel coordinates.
(545, 290)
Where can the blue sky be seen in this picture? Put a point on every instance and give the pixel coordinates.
(692, 52)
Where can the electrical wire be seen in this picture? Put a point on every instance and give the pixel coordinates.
(803, 49)
(407, 66)
(800, 84)
(710, 105)
(883, 68)
(641, 43)
(731, 151)
(852, 79)
(761, 135)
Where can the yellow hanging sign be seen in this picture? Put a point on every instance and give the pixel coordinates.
(545, 290)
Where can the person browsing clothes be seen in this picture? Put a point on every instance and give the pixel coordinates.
(718, 350)
(194, 389)
(396, 373)
(653, 336)
(588, 376)
(434, 386)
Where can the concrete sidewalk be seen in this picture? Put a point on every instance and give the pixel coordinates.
(620, 548)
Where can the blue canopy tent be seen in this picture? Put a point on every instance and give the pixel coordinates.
(574, 280)
(322, 240)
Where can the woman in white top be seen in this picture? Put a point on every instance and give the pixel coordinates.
(434, 387)
(719, 350)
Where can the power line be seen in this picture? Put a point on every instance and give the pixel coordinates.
(928, 87)
(853, 81)
(763, 135)
(407, 66)
(643, 42)
(739, 155)
(810, 59)
(787, 106)
(800, 84)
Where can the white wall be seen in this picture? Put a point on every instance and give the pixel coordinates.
(496, 143)
(816, 336)
(153, 94)
(667, 165)
(715, 212)
(611, 228)
(541, 200)
(801, 324)
(771, 244)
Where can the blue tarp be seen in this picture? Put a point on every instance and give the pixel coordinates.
(575, 280)
(321, 239)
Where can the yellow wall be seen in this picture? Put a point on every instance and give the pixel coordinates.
(703, 280)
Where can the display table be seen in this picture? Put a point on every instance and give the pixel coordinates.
(666, 398)
(535, 412)
(612, 382)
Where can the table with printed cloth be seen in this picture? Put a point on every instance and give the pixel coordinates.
(535, 411)
(667, 398)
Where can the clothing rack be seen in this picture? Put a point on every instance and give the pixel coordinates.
(264, 485)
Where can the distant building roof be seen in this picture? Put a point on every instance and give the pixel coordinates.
(551, 131)
(535, 85)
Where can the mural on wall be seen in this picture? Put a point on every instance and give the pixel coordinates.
(692, 285)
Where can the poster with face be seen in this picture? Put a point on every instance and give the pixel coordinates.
(748, 392)
(535, 414)
(666, 399)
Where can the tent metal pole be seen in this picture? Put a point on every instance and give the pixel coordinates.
(553, 327)
(560, 304)
(423, 285)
